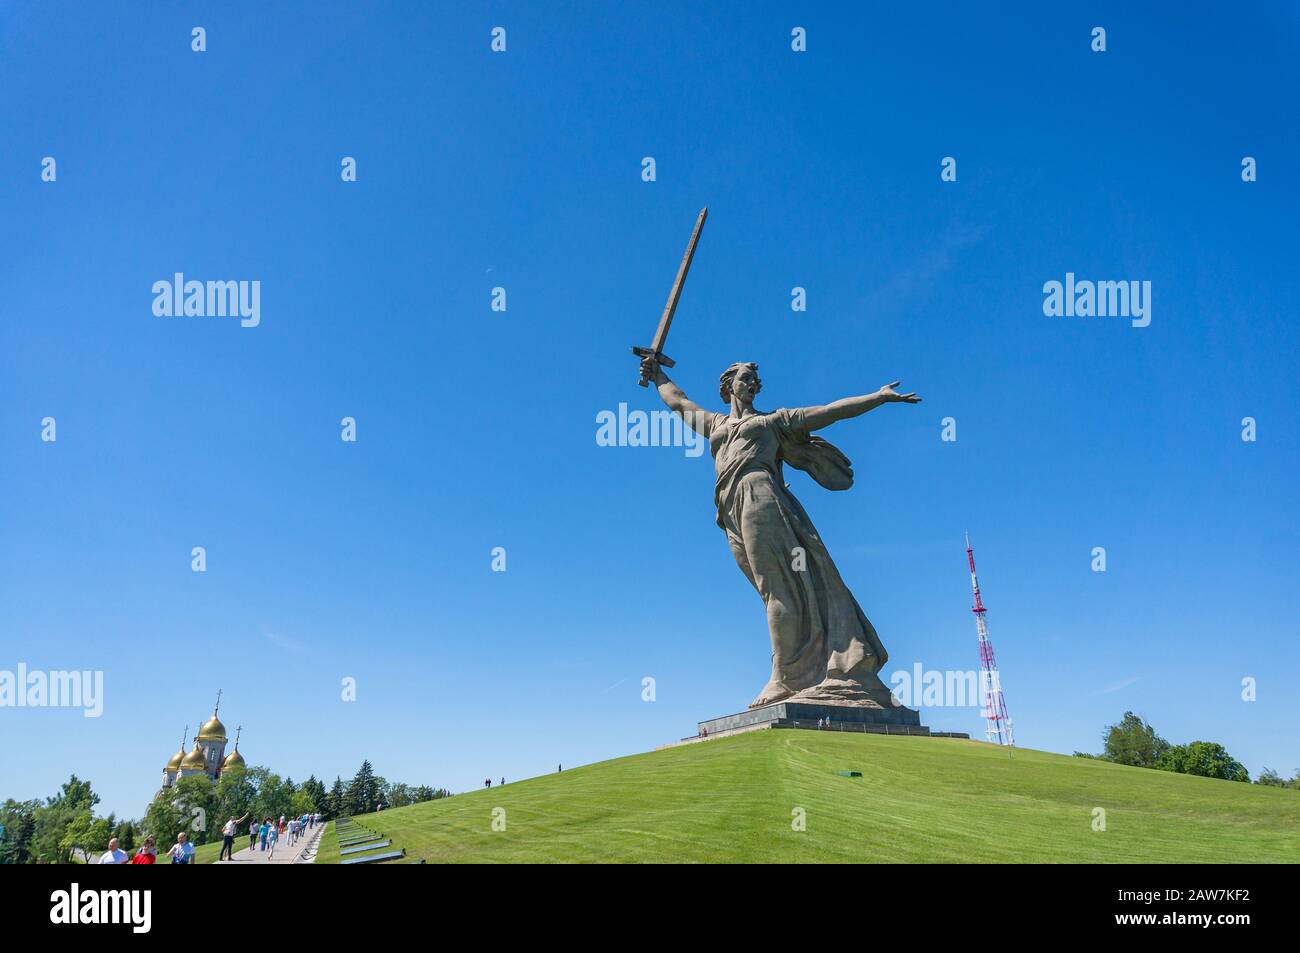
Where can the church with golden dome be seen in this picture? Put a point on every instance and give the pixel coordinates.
(208, 756)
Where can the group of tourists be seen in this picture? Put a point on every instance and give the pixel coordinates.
(266, 833)
(182, 852)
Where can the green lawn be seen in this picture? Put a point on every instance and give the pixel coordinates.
(205, 853)
(918, 800)
(327, 852)
(329, 844)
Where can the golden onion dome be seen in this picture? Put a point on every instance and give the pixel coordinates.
(175, 763)
(213, 729)
(233, 759)
(194, 759)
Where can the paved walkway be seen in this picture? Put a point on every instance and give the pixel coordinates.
(284, 854)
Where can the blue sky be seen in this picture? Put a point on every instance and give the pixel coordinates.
(476, 428)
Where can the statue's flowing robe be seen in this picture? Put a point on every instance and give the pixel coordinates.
(834, 645)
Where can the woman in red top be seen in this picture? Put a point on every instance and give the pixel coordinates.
(147, 854)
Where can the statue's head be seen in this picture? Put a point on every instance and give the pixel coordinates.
(740, 380)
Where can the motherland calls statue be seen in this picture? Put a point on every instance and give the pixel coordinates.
(824, 649)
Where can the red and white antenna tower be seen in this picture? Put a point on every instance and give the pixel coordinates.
(998, 730)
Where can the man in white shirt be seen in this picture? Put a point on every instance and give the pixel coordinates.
(113, 855)
(228, 837)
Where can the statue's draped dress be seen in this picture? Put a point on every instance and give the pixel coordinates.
(828, 651)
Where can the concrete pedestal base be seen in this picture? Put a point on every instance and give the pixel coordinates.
(877, 719)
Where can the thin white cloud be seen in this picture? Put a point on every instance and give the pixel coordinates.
(283, 641)
(1121, 684)
(614, 686)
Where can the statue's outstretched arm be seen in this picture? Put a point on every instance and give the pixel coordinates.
(695, 416)
(823, 416)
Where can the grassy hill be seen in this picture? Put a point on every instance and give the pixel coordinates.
(918, 800)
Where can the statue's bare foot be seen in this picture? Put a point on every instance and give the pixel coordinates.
(773, 692)
(867, 691)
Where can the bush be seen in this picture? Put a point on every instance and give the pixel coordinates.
(1206, 759)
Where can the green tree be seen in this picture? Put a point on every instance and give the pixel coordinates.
(86, 835)
(301, 803)
(1133, 741)
(316, 791)
(364, 794)
(336, 801)
(76, 793)
(273, 798)
(125, 832)
(164, 819)
(399, 795)
(235, 794)
(19, 820)
(51, 822)
(1206, 759)
(1270, 778)
(197, 801)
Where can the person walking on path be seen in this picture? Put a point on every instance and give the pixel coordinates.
(114, 854)
(253, 828)
(280, 851)
(264, 831)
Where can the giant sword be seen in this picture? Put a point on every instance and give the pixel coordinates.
(656, 348)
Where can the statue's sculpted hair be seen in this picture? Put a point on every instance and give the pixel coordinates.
(724, 382)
